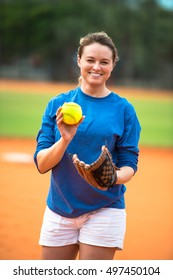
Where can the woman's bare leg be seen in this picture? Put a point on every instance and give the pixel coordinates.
(68, 252)
(90, 252)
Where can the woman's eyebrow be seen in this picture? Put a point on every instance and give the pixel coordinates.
(92, 57)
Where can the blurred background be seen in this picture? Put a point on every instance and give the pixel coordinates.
(39, 38)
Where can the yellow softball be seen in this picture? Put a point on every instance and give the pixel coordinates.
(72, 113)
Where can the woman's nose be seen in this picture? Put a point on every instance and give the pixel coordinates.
(96, 66)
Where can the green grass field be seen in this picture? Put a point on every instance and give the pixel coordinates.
(156, 118)
(20, 116)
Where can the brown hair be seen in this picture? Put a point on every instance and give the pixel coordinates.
(101, 38)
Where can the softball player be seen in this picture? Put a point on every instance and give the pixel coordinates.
(80, 219)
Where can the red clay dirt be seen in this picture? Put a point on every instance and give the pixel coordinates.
(23, 194)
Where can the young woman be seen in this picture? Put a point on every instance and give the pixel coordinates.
(79, 218)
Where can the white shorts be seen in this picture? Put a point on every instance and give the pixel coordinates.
(105, 227)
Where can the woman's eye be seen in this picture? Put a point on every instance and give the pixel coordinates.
(90, 60)
(104, 62)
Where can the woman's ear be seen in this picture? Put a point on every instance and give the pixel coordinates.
(113, 67)
(78, 61)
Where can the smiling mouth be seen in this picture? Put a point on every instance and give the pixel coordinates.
(95, 74)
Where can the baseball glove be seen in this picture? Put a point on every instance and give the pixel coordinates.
(101, 173)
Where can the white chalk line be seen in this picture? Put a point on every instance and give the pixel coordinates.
(16, 157)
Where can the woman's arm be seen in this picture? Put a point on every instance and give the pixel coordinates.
(124, 175)
(49, 157)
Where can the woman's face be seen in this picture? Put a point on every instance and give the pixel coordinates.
(96, 64)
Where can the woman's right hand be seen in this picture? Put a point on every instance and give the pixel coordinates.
(67, 131)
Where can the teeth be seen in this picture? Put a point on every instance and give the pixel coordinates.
(95, 75)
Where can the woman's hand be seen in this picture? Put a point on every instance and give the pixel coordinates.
(67, 131)
(49, 157)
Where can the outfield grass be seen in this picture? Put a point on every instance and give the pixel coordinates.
(20, 116)
(156, 118)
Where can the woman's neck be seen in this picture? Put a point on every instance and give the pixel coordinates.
(95, 91)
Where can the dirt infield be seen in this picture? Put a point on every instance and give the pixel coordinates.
(23, 194)
(148, 200)
(53, 88)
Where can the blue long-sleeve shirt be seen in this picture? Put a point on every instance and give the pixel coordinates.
(110, 120)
